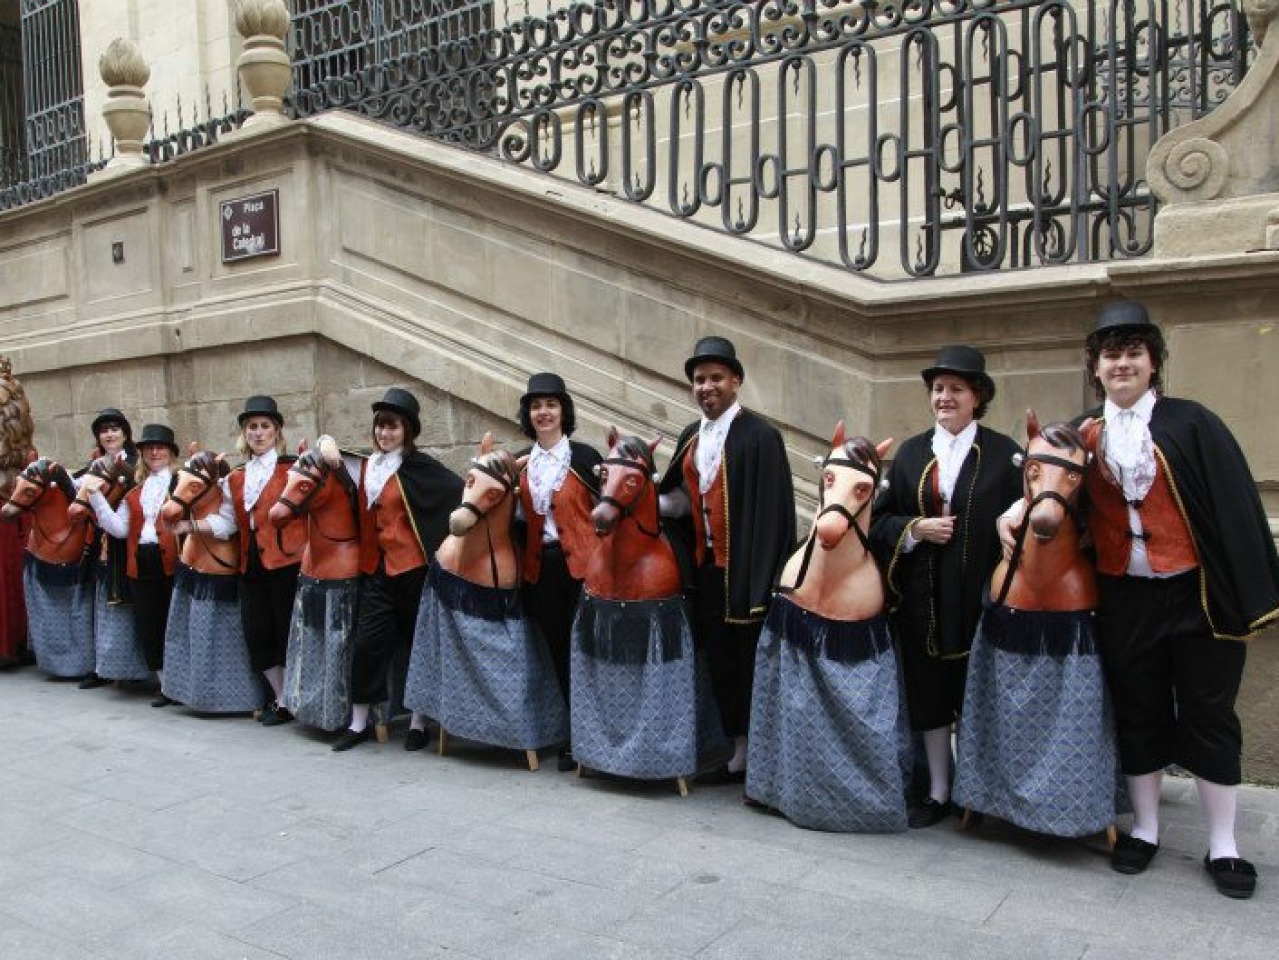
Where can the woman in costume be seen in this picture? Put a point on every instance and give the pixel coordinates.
(151, 547)
(936, 525)
(269, 562)
(405, 500)
(559, 490)
(103, 577)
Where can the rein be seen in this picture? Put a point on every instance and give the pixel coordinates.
(1014, 561)
(836, 508)
(628, 509)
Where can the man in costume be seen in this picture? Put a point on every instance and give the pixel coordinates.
(1186, 572)
(730, 478)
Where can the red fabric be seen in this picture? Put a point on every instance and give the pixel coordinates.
(13, 608)
(386, 531)
(717, 507)
(572, 504)
(294, 533)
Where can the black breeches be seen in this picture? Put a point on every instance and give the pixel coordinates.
(152, 590)
(551, 603)
(384, 633)
(729, 649)
(266, 610)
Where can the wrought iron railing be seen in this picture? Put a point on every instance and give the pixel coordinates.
(899, 138)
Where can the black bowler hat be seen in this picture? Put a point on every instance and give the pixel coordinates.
(963, 361)
(1123, 315)
(111, 415)
(260, 406)
(158, 433)
(546, 385)
(401, 402)
(714, 350)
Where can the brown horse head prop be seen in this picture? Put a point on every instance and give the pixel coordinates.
(1047, 570)
(196, 494)
(830, 574)
(45, 491)
(319, 488)
(479, 547)
(110, 476)
(634, 560)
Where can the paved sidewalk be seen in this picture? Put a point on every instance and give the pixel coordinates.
(130, 833)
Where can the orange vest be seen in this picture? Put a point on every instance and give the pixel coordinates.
(386, 531)
(572, 504)
(716, 502)
(293, 534)
(1169, 545)
(168, 542)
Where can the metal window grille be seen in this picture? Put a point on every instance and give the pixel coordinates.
(53, 87)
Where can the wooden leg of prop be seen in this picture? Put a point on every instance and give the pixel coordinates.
(683, 786)
(532, 760)
(381, 732)
(443, 740)
(1111, 836)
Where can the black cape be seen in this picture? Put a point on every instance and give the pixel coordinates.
(1211, 481)
(432, 491)
(761, 511)
(935, 592)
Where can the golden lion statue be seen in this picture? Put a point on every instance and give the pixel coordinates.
(17, 429)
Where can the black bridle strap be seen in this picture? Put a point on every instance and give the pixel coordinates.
(1062, 462)
(836, 508)
(188, 509)
(645, 470)
(1020, 545)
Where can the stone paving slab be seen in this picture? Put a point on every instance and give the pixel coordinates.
(128, 833)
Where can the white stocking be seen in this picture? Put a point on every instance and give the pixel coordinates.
(1218, 802)
(359, 716)
(275, 677)
(417, 721)
(1144, 791)
(738, 760)
(937, 747)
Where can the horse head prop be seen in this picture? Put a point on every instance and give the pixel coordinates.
(1047, 569)
(634, 560)
(110, 476)
(44, 491)
(832, 574)
(196, 494)
(320, 489)
(479, 547)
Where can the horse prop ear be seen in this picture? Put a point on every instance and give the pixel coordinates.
(883, 447)
(838, 439)
(657, 442)
(302, 446)
(521, 463)
(223, 468)
(32, 455)
(193, 448)
(611, 440)
(486, 444)
(1032, 424)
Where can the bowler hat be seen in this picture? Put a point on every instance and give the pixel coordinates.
(261, 406)
(1122, 315)
(405, 404)
(111, 415)
(714, 350)
(963, 361)
(546, 385)
(158, 433)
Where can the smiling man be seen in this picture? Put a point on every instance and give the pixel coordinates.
(1186, 571)
(730, 477)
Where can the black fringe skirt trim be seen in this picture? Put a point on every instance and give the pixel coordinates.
(1040, 633)
(631, 631)
(493, 604)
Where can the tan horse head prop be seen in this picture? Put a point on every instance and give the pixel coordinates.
(44, 490)
(197, 494)
(832, 574)
(479, 547)
(1048, 570)
(110, 476)
(320, 489)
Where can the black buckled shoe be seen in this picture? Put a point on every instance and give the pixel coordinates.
(1234, 878)
(162, 701)
(928, 814)
(416, 740)
(1132, 855)
(275, 715)
(92, 681)
(351, 739)
(565, 762)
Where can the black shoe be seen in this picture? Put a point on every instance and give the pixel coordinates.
(275, 715)
(162, 701)
(415, 740)
(928, 814)
(92, 681)
(1131, 854)
(566, 762)
(1235, 878)
(724, 776)
(351, 738)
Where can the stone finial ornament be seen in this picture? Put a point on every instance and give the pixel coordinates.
(1230, 157)
(264, 66)
(17, 429)
(127, 113)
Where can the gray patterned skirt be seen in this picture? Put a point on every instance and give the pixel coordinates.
(479, 668)
(119, 653)
(206, 663)
(59, 616)
(641, 707)
(317, 674)
(829, 741)
(1037, 739)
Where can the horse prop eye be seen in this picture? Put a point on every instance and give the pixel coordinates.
(596, 470)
